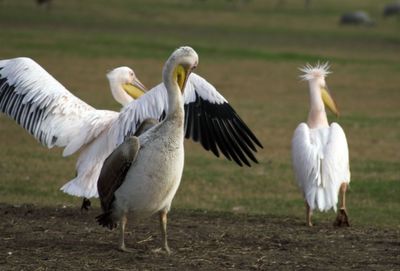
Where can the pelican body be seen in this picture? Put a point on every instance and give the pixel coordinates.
(319, 151)
(155, 159)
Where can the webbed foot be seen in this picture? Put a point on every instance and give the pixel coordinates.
(342, 219)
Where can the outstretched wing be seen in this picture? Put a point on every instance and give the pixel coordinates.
(212, 121)
(209, 119)
(46, 109)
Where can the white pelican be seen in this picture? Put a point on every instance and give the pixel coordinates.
(320, 153)
(143, 174)
(55, 117)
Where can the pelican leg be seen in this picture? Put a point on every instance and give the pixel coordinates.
(342, 218)
(308, 215)
(343, 189)
(163, 227)
(122, 234)
(85, 204)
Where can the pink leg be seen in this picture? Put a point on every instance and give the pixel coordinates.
(342, 218)
(308, 215)
(163, 227)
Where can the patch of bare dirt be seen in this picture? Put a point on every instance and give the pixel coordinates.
(36, 238)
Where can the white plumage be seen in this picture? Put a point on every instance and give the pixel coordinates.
(320, 163)
(319, 151)
(45, 108)
(55, 117)
(150, 173)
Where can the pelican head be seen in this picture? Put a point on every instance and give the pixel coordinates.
(315, 75)
(124, 84)
(181, 63)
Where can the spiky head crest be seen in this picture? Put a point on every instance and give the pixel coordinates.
(321, 70)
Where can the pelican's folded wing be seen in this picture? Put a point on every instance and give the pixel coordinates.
(306, 164)
(335, 166)
(114, 170)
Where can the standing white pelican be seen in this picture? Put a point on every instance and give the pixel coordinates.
(320, 153)
(55, 117)
(143, 174)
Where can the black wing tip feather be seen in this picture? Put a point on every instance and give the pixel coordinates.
(243, 124)
(11, 105)
(235, 149)
(242, 132)
(219, 128)
(241, 139)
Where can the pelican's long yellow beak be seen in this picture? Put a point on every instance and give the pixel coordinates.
(328, 100)
(182, 74)
(135, 89)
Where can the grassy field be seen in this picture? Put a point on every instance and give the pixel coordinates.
(251, 52)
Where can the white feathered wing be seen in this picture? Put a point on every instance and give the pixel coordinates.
(321, 163)
(46, 109)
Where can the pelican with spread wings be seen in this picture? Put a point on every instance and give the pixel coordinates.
(319, 151)
(55, 117)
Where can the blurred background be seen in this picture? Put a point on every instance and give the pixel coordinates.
(250, 50)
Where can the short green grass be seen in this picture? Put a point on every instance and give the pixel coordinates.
(251, 51)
